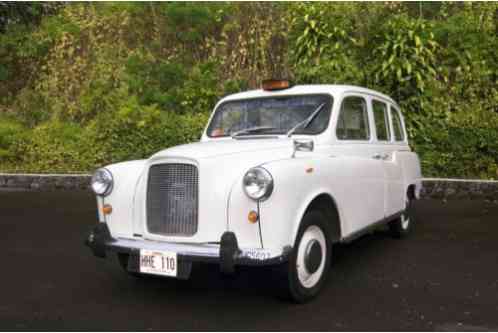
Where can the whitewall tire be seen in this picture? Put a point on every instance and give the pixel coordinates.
(401, 226)
(303, 276)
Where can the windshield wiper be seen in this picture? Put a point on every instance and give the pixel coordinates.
(252, 129)
(306, 122)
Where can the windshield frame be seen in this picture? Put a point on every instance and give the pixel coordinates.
(328, 107)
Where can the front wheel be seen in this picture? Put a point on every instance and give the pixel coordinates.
(302, 277)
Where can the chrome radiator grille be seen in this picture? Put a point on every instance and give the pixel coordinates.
(172, 199)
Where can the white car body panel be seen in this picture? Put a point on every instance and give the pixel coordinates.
(365, 190)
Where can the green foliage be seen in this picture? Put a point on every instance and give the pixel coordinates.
(25, 13)
(173, 86)
(87, 84)
(131, 132)
(135, 131)
(407, 48)
(406, 66)
(11, 133)
(191, 22)
(324, 48)
(4, 72)
(462, 150)
(58, 147)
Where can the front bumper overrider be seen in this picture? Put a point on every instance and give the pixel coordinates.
(226, 252)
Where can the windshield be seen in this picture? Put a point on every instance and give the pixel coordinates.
(271, 115)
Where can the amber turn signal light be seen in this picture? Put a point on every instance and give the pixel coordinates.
(275, 84)
(253, 217)
(107, 209)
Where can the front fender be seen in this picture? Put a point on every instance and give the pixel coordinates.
(126, 176)
(239, 205)
(297, 182)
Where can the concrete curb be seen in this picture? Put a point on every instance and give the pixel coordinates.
(434, 188)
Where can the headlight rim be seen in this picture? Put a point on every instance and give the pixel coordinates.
(269, 188)
(110, 185)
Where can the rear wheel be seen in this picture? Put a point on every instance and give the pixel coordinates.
(401, 226)
(302, 277)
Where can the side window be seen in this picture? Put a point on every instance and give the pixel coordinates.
(381, 120)
(397, 126)
(352, 123)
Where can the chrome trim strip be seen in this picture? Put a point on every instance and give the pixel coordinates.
(201, 250)
(206, 250)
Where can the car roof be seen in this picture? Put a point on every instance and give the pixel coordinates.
(333, 89)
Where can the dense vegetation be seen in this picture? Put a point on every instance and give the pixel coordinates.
(82, 85)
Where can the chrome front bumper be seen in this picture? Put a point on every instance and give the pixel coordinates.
(226, 252)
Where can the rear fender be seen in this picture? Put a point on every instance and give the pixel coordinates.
(412, 174)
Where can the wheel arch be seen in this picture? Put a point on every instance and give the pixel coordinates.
(326, 203)
(411, 191)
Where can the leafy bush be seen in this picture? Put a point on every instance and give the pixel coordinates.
(135, 131)
(324, 50)
(462, 151)
(407, 50)
(11, 133)
(59, 147)
(93, 83)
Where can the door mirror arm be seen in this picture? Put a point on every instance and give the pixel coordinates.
(302, 145)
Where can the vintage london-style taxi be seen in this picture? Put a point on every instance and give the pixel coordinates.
(278, 176)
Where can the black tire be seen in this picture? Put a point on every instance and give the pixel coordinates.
(288, 284)
(402, 226)
(123, 262)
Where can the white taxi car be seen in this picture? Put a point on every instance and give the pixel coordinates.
(279, 175)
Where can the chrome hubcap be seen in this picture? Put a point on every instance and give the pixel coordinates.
(313, 256)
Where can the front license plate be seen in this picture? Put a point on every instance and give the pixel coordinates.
(158, 262)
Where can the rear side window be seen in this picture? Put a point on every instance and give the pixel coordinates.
(352, 123)
(397, 126)
(381, 120)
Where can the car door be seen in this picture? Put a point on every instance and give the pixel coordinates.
(395, 191)
(389, 141)
(362, 174)
(383, 148)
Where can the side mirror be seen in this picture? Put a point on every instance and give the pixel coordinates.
(303, 145)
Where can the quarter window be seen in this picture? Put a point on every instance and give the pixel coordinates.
(381, 120)
(397, 126)
(353, 120)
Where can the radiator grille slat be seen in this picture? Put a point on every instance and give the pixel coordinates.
(172, 199)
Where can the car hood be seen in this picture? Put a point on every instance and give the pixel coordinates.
(212, 149)
(221, 166)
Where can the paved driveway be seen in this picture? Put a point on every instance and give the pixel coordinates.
(443, 277)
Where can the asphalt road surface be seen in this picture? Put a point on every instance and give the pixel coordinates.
(443, 277)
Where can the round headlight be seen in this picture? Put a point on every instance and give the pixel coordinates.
(102, 182)
(258, 183)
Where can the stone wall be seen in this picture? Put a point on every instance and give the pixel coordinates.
(449, 189)
(444, 189)
(44, 182)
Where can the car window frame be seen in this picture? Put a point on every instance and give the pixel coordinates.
(329, 105)
(402, 121)
(387, 119)
(369, 119)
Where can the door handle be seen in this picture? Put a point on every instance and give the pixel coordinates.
(379, 156)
